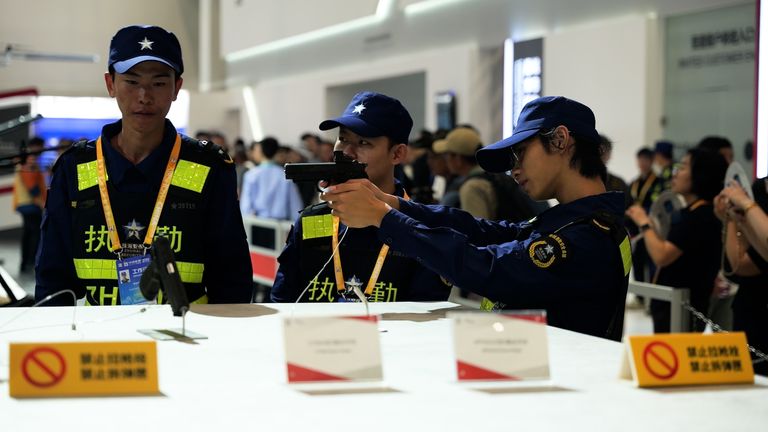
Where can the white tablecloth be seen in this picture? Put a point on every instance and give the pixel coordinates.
(236, 380)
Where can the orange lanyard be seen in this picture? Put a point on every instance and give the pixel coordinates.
(644, 191)
(117, 247)
(697, 204)
(338, 272)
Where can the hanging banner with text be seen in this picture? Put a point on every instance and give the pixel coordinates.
(679, 359)
(501, 346)
(328, 349)
(83, 369)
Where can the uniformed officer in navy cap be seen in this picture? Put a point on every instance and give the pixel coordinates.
(111, 197)
(573, 260)
(373, 130)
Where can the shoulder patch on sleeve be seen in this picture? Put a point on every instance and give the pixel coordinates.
(548, 251)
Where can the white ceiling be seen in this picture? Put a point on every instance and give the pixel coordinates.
(85, 26)
(447, 22)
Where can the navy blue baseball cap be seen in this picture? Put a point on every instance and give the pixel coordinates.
(135, 44)
(373, 115)
(540, 114)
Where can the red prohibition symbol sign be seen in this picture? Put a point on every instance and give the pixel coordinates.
(660, 360)
(43, 367)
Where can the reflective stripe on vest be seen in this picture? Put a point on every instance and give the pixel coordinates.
(487, 305)
(87, 175)
(90, 268)
(190, 272)
(190, 175)
(626, 255)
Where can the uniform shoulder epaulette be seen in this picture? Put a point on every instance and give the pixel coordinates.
(603, 221)
(80, 147)
(209, 148)
(609, 224)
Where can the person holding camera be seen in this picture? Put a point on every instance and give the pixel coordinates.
(746, 248)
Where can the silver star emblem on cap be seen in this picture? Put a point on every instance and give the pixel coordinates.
(146, 44)
(549, 249)
(358, 109)
(133, 229)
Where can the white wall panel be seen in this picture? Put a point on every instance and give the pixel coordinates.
(85, 26)
(605, 65)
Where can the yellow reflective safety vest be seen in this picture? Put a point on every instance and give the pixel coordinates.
(180, 221)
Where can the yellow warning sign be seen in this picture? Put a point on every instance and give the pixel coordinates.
(83, 369)
(687, 358)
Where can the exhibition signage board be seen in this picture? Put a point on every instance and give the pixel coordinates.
(680, 359)
(83, 369)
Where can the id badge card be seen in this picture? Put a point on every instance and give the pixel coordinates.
(129, 271)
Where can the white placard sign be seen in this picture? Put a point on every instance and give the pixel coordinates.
(327, 349)
(501, 346)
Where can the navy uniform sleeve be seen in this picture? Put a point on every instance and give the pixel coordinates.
(503, 272)
(285, 288)
(478, 231)
(55, 270)
(228, 276)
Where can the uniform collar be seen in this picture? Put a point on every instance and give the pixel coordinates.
(152, 167)
(561, 214)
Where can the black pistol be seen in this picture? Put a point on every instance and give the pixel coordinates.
(162, 274)
(342, 168)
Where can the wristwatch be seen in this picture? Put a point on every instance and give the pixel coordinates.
(645, 227)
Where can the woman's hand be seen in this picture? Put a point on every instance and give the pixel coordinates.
(638, 215)
(733, 202)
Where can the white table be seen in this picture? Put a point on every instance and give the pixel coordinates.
(236, 380)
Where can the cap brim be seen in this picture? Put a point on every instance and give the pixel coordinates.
(493, 158)
(355, 124)
(125, 65)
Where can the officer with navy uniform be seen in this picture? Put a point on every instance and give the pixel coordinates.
(109, 198)
(573, 260)
(324, 260)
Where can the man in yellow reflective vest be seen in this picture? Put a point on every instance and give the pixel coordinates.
(111, 197)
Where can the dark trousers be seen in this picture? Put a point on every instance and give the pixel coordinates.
(30, 238)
